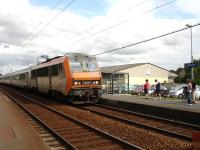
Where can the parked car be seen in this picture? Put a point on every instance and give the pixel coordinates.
(163, 90)
(177, 91)
(197, 93)
(137, 90)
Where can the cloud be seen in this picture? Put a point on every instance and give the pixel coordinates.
(12, 32)
(124, 23)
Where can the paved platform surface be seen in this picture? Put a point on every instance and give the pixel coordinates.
(154, 101)
(15, 132)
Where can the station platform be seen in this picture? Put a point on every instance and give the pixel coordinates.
(15, 132)
(175, 109)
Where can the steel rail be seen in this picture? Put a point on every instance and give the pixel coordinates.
(196, 127)
(156, 129)
(60, 138)
(114, 138)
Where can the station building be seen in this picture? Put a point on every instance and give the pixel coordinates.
(120, 79)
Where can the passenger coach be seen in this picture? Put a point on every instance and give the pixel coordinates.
(74, 77)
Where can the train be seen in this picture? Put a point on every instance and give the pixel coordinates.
(74, 77)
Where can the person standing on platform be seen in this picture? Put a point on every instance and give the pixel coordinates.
(193, 91)
(157, 88)
(146, 88)
(189, 92)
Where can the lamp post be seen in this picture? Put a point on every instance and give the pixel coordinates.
(192, 71)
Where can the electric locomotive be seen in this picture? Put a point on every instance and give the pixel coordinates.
(74, 77)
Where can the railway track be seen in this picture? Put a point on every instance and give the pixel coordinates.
(143, 137)
(73, 133)
(168, 127)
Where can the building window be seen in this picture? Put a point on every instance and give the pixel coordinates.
(148, 72)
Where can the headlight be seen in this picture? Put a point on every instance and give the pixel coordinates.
(95, 82)
(77, 82)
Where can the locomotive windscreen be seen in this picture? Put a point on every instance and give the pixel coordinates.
(80, 64)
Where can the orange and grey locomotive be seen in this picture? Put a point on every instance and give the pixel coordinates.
(74, 77)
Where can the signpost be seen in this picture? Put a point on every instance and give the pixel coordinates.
(191, 65)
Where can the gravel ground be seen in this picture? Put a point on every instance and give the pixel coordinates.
(144, 138)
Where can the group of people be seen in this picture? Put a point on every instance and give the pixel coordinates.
(157, 88)
(190, 91)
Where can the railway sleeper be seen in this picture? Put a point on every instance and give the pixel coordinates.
(107, 147)
(78, 135)
(94, 144)
(66, 129)
(85, 139)
(80, 131)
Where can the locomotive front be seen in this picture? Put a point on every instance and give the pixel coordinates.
(86, 79)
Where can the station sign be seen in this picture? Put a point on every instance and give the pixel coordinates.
(191, 65)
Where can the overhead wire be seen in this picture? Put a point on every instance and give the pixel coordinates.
(52, 19)
(120, 13)
(147, 40)
(124, 21)
(103, 22)
(37, 26)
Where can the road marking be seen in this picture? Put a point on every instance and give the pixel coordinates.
(6, 98)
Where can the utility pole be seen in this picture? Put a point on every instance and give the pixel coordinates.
(192, 70)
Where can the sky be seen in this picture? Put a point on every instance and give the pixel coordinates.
(31, 28)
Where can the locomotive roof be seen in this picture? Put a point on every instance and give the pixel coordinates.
(50, 62)
(58, 59)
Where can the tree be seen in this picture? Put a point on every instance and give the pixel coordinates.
(185, 73)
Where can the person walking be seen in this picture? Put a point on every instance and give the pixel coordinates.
(146, 88)
(157, 88)
(189, 92)
(193, 91)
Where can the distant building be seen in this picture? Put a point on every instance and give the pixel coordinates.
(121, 78)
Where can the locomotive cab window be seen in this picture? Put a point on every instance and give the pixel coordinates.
(92, 64)
(76, 65)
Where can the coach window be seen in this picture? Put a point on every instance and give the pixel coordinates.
(54, 70)
(22, 76)
(15, 77)
(33, 74)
